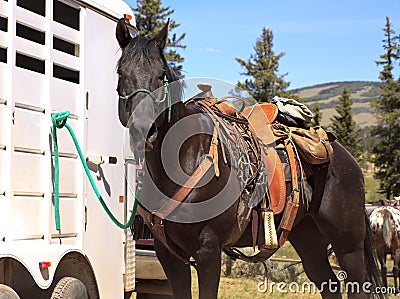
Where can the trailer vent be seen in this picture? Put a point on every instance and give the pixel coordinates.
(66, 47)
(30, 63)
(37, 6)
(3, 55)
(3, 24)
(63, 73)
(66, 15)
(31, 34)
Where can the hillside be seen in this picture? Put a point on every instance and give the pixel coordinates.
(362, 93)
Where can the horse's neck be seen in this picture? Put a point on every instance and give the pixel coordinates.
(154, 158)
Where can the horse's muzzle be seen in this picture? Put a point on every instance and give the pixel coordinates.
(151, 137)
(142, 138)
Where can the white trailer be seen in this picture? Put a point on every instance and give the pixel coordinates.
(56, 56)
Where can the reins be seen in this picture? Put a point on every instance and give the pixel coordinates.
(166, 97)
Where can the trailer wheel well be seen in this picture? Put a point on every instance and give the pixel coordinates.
(14, 274)
(74, 264)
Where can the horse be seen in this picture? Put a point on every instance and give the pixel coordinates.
(335, 214)
(385, 224)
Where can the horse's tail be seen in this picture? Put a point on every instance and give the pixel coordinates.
(371, 262)
(387, 232)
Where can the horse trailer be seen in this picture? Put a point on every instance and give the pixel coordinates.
(59, 55)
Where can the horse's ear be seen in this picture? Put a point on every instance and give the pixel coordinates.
(122, 33)
(161, 38)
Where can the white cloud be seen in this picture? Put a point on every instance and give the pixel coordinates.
(209, 50)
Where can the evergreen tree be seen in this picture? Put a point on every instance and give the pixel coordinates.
(391, 55)
(344, 126)
(264, 82)
(151, 17)
(386, 147)
(316, 109)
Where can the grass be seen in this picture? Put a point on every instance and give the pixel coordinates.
(240, 287)
(371, 187)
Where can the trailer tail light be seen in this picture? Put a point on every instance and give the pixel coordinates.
(121, 198)
(128, 17)
(44, 265)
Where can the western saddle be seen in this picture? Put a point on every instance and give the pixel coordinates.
(271, 151)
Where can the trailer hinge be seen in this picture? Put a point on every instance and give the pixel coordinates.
(85, 217)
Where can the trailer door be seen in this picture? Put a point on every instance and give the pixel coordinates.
(103, 240)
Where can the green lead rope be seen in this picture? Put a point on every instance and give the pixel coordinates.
(59, 121)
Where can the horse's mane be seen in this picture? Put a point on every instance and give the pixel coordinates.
(140, 46)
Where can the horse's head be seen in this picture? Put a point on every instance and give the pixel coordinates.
(142, 70)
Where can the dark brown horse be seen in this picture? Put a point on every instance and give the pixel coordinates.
(335, 215)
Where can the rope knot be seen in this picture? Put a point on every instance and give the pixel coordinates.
(60, 119)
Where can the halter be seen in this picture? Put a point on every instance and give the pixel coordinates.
(167, 95)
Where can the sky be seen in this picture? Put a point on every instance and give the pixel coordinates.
(323, 41)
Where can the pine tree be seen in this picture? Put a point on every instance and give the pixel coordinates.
(264, 82)
(386, 147)
(316, 109)
(391, 54)
(151, 17)
(344, 127)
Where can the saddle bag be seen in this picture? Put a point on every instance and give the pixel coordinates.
(313, 144)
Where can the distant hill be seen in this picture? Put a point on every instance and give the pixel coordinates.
(362, 93)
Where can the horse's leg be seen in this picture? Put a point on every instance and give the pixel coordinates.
(177, 272)
(347, 241)
(351, 262)
(341, 218)
(311, 246)
(382, 261)
(396, 268)
(208, 260)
